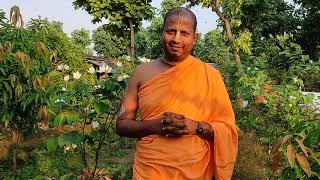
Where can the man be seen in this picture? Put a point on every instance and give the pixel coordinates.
(186, 128)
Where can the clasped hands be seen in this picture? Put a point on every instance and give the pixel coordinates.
(175, 125)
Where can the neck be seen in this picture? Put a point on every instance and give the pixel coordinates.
(172, 61)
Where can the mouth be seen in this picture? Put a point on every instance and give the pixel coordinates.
(175, 48)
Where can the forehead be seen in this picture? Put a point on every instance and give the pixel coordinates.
(183, 21)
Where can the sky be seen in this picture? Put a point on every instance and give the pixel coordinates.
(63, 11)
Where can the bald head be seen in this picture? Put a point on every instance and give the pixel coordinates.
(184, 12)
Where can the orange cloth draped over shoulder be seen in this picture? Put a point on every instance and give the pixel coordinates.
(196, 90)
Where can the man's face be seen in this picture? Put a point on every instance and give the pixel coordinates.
(178, 37)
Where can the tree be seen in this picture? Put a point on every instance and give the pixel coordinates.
(226, 10)
(216, 50)
(126, 15)
(81, 37)
(107, 43)
(267, 17)
(309, 33)
(149, 43)
(39, 23)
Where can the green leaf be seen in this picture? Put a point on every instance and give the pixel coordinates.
(59, 119)
(95, 135)
(70, 138)
(8, 88)
(3, 71)
(52, 144)
(72, 117)
(68, 177)
(100, 107)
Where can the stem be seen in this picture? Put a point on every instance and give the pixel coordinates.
(84, 160)
(102, 138)
(131, 40)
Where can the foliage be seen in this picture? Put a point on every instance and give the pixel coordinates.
(148, 41)
(215, 48)
(125, 15)
(88, 107)
(25, 78)
(61, 46)
(39, 23)
(264, 18)
(81, 37)
(107, 43)
(308, 32)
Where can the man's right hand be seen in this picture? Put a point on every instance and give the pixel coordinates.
(173, 125)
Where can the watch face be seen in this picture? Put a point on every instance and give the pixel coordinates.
(200, 129)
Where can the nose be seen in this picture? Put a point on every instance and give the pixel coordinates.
(177, 37)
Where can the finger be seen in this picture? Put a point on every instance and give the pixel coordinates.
(169, 129)
(179, 125)
(175, 115)
(167, 114)
(179, 116)
(172, 135)
(169, 120)
(180, 132)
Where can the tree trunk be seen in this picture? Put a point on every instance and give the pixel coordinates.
(131, 41)
(227, 24)
(17, 137)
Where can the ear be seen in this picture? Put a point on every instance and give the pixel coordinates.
(196, 36)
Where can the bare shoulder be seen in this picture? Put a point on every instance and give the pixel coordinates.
(145, 67)
(146, 71)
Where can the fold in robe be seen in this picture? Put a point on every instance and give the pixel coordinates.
(196, 90)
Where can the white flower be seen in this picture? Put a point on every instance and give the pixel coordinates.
(64, 89)
(66, 67)
(119, 64)
(144, 60)
(95, 124)
(66, 148)
(102, 69)
(76, 75)
(256, 69)
(91, 70)
(66, 78)
(311, 61)
(295, 79)
(74, 146)
(127, 58)
(122, 77)
(105, 68)
(245, 103)
(59, 67)
(108, 69)
(59, 101)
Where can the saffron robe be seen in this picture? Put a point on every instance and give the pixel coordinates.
(196, 90)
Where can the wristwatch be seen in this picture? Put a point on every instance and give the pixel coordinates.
(200, 129)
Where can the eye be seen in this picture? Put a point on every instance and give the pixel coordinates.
(185, 33)
(170, 31)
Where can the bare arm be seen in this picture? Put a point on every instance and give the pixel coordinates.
(127, 125)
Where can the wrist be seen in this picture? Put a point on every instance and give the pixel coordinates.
(200, 129)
